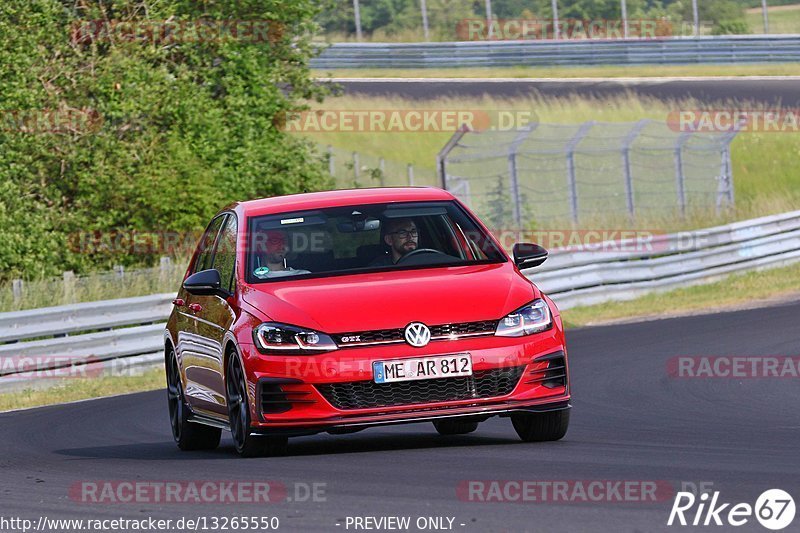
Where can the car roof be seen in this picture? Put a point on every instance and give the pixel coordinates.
(339, 198)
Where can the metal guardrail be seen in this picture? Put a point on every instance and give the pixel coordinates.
(674, 51)
(672, 261)
(134, 326)
(674, 243)
(76, 318)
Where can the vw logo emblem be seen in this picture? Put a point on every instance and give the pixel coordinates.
(417, 334)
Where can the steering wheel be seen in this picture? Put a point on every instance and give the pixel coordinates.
(419, 251)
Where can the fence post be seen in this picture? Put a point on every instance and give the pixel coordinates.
(382, 168)
(119, 270)
(69, 286)
(626, 163)
(725, 185)
(331, 165)
(164, 267)
(16, 289)
(680, 178)
(572, 184)
(726, 151)
(512, 173)
(441, 157)
(356, 166)
(410, 171)
(729, 174)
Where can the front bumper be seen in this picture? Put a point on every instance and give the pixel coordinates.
(291, 394)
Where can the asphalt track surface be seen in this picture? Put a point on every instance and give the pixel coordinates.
(630, 421)
(761, 91)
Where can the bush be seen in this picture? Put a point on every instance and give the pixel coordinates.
(151, 135)
(731, 27)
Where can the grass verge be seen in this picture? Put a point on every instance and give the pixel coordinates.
(82, 389)
(48, 292)
(736, 291)
(782, 19)
(600, 71)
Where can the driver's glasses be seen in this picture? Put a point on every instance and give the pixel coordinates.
(405, 234)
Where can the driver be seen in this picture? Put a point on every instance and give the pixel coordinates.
(402, 237)
(276, 248)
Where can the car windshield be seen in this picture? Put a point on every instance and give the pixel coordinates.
(355, 239)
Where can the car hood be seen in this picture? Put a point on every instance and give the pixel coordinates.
(386, 300)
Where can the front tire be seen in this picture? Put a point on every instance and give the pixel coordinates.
(247, 445)
(541, 427)
(188, 435)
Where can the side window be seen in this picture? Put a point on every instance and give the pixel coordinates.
(206, 246)
(225, 254)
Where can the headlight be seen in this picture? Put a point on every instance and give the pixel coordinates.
(272, 337)
(532, 318)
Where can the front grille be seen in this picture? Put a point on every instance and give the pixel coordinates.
(485, 327)
(367, 394)
(466, 328)
(378, 335)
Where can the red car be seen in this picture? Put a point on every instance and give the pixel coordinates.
(336, 311)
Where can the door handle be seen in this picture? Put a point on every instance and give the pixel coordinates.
(178, 302)
(195, 307)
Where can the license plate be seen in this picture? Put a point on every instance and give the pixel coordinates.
(445, 366)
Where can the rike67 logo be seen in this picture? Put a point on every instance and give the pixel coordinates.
(774, 510)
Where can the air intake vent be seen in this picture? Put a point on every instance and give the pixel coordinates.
(549, 371)
(275, 399)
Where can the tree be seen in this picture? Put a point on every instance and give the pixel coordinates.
(182, 123)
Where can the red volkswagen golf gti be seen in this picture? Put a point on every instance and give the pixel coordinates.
(336, 311)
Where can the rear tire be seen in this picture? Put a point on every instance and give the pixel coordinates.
(455, 426)
(188, 435)
(247, 445)
(541, 427)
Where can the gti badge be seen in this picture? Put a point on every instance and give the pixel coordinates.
(417, 334)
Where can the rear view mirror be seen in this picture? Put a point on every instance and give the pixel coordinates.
(359, 223)
(204, 283)
(528, 255)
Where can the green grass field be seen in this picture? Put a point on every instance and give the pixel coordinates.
(782, 19)
(82, 389)
(740, 290)
(764, 164)
(92, 287)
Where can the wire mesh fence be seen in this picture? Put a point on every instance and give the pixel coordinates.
(355, 170)
(70, 288)
(550, 173)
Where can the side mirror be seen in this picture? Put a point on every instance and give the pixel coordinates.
(527, 255)
(204, 283)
